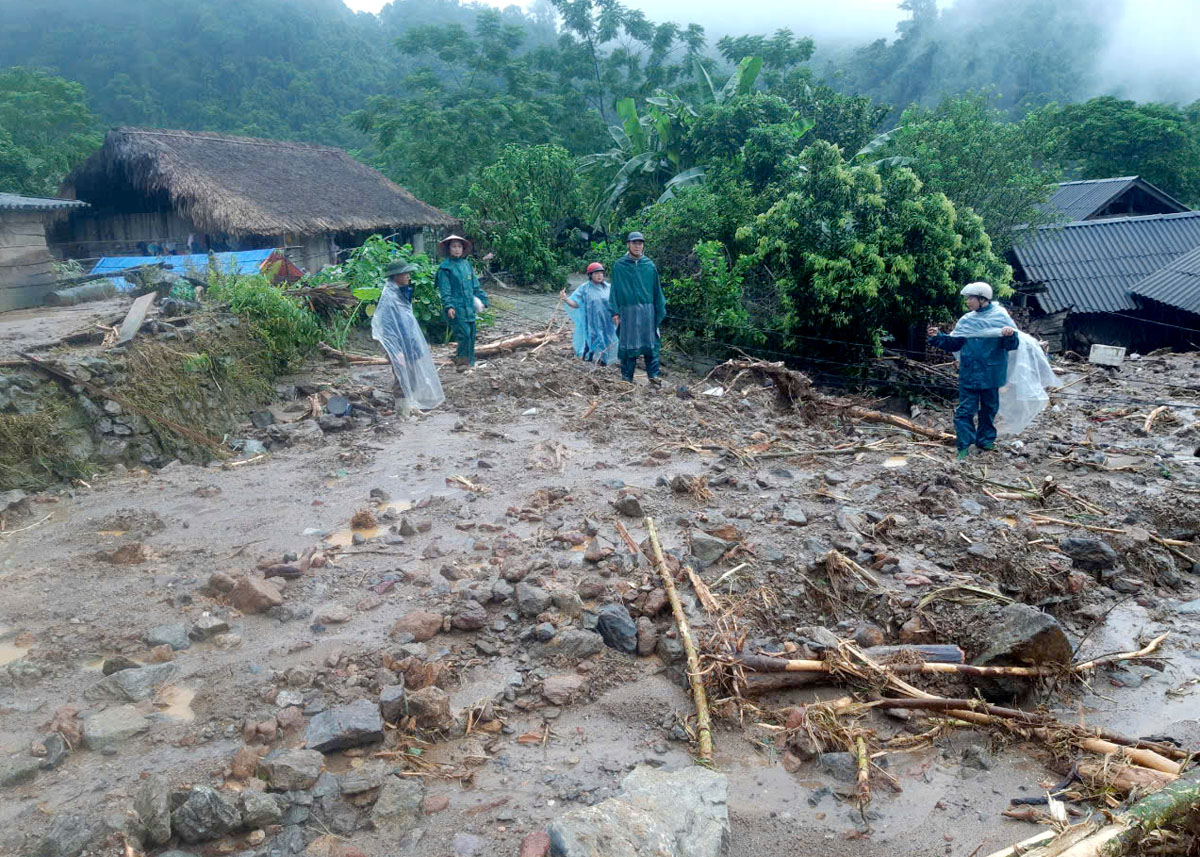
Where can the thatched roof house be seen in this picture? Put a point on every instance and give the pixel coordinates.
(194, 191)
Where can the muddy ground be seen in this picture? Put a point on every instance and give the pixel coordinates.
(546, 445)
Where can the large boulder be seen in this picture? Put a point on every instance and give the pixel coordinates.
(345, 726)
(132, 685)
(113, 726)
(708, 549)
(657, 814)
(152, 803)
(1025, 636)
(205, 814)
(1089, 554)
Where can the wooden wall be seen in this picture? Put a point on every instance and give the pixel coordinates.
(89, 235)
(25, 272)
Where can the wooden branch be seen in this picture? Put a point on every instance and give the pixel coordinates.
(1025, 844)
(702, 590)
(893, 420)
(625, 537)
(695, 679)
(862, 787)
(353, 359)
(1125, 779)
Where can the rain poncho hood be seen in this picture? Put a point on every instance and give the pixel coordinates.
(595, 333)
(395, 328)
(1024, 394)
(637, 297)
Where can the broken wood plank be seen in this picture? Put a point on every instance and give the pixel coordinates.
(134, 318)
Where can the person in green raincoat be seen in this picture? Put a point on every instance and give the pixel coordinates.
(462, 296)
(638, 308)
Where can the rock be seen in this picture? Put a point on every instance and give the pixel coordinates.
(205, 814)
(152, 803)
(1089, 554)
(629, 506)
(914, 631)
(18, 769)
(57, 749)
(708, 549)
(982, 550)
(431, 708)
(567, 602)
(561, 689)
(116, 663)
(131, 685)
(1188, 608)
(669, 649)
(1024, 635)
(392, 704)
(422, 624)
(536, 844)
(664, 814)
(617, 628)
(219, 581)
(793, 514)
(333, 614)
(869, 635)
(259, 809)
(344, 726)
(532, 600)
(468, 845)
(174, 635)
(469, 616)
(399, 806)
(69, 835)
(113, 726)
(576, 644)
(372, 775)
(433, 804)
(842, 766)
(208, 626)
(291, 770)
(255, 595)
(245, 763)
(647, 637)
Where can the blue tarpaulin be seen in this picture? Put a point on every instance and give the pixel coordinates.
(241, 262)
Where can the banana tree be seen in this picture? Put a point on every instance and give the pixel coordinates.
(741, 82)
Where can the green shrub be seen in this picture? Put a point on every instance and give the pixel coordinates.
(291, 332)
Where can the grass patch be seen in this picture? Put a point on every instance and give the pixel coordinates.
(36, 449)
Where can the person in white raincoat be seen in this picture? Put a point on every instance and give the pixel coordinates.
(395, 328)
(1003, 373)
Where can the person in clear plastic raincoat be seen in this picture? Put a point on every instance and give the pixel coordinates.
(595, 333)
(395, 328)
(1002, 373)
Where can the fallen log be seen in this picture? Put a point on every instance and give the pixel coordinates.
(1123, 779)
(893, 420)
(695, 678)
(487, 349)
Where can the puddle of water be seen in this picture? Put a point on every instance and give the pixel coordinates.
(10, 651)
(345, 538)
(113, 533)
(92, 663)
(894, 461)
(1009, 521)
(175, 703)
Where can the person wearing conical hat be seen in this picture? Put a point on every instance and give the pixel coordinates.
(395, 327)
(462, 295)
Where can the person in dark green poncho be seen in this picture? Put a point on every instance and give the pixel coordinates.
(638, 308)
(462, 296)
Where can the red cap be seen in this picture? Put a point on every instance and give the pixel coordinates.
(595, 266)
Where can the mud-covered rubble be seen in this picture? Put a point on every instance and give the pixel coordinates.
(376, 688)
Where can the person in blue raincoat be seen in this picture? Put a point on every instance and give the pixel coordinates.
(395, 327)
(595, 333)
(981, 341)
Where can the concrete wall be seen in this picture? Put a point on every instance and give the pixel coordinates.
(25, 273)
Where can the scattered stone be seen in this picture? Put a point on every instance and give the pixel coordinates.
(869, 635)
(132, 685)
(433, 804)
(982, 550)
(392, 704)
(647, 636)
(678, 814)
(152, 803)
(468, 845)
(708, 549)
(532, 600)
(372, 775)
(333, 614)
(431, 708)
(617, 628)
(1089, 554)
(56, 748)
(255, 595)
(1024, 635)
(469, 616)
(113, 726)
(225, 642)
(793, 514)
(245, 763)
(576, 644)
(344, 726)
(259, 809)
(205, 814)
(567, 602)
(841, 766)
(291, 770)
(18, 769)
(69, 835)
(173, 635)
(421, 624)
(219, 581)
(629, 506)
(208, 626)
(669, 649)
(561, 689)
(398, 807)
(116, 663)
(536, 844)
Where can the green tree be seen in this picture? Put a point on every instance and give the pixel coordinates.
(522, 206)
(847, 121)
(779, 53)
(45, 129)
(1107, 137)
(965, 149)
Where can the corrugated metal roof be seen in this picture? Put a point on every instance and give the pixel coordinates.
(15, 202)
(240, 262)
(1177, 285)
(1091, 266)
(1080, 200)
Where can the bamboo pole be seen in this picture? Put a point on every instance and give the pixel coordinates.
(862, 787)
(695, 679)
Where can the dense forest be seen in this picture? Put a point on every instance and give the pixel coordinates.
(828, 188)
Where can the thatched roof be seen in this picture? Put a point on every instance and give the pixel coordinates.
(243, 185)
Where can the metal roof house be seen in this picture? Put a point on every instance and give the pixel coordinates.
(25, 273)
(1095, 199)
(155, 191)
(1118, 280)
